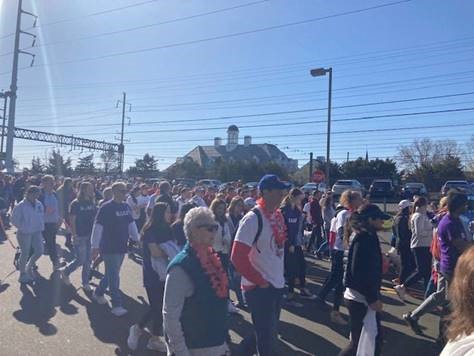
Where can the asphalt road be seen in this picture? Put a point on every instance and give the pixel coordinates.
(50, 318)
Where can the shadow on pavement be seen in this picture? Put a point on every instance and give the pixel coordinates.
(397, 343)
(40, 300)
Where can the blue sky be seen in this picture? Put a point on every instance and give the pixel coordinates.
(410, 50)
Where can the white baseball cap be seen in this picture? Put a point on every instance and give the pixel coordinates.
(404, 204)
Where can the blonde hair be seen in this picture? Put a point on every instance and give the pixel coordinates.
(348, 197)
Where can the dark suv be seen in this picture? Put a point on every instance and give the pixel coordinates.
(382, 188)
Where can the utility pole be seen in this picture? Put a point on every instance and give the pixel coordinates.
(347, 160)
(310, 167)
(13, 85)
(121, 146)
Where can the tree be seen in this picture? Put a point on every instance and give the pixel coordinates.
(432, 162)
(37, 166)
(85, 165)
(470, 156)
(146, 166)
(187, 168)
(57, 165)
(110, 161)
(366, 171)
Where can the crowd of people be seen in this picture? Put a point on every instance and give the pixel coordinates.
(197, 243)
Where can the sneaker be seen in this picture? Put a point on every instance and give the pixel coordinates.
(134, 336)
(412, 323)
(156, 344)
(305, 293)
(231, 308)
(66, 279)
(87, 288)
(25, 278)
(119, 311)
(337, 318)
(396, 281)
(401, 291)
(99, 298)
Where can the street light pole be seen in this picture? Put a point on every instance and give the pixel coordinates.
(320, 72)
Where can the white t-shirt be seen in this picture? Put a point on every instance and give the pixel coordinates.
(463, 346)
(341, 220)
(269, 261)
(307, 211)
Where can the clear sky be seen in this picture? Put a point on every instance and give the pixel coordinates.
(187, 64)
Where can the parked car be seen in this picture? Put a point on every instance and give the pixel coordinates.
(461, 185)
(214, 183)
(382, 188)
(188, 182)
(344, 184)
(309, 187)
(411, 189)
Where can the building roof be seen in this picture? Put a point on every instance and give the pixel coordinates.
(262, 152)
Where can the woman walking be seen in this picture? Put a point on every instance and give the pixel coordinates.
(196, 292)
(401, 229)
(295, 264)
(82, 213)
(363, 278)
(328, 211)
(421, 236)
(28, 217)
(350, 201)
(156, 236)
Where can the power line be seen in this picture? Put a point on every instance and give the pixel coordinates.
(230, 35)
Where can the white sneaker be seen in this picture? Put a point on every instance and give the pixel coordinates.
(99, 298)
(231, 308)
(119, 311)
(133, 337)
(401, 291)
(87, 288)
(156, 344)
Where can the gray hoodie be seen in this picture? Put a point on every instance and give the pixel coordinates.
(28, 217)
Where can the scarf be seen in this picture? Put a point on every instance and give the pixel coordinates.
(277, 223)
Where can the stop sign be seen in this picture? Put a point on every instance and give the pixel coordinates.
(318, 176)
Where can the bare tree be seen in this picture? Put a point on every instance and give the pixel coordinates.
(427, 152)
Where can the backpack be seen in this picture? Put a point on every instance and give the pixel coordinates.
(259, 228)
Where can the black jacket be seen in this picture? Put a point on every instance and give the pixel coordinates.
(401, 229)
(364, 268)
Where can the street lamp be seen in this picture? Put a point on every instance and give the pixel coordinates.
(321, 72)
(4, 96)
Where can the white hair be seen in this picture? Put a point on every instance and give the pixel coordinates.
(196, 217)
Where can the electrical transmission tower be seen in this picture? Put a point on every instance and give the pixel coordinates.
(121, 147)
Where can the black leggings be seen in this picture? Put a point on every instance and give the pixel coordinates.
(155, 298)
(407, 262)
(423, 267)
(295, 266)
(357, 313)
(49, 236)
(335, 279)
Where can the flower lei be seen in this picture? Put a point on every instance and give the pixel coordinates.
(212, 266)
(277, 223)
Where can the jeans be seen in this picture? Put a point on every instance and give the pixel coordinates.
(27, 242)
(435, 299)
(265, 307)
(324, 248)
(49, 235)
(423, 267)
(155, 295)
(316, 234)
(335, 279)
(357, 312)
(113, 263)
(82, 250)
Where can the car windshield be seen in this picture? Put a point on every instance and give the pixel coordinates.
(414, 185)
(382, 184)
(456, 184)
(344, 182)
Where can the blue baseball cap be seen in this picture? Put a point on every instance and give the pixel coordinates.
(271, 182)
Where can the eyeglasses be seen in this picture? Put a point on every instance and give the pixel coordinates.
(209, 227)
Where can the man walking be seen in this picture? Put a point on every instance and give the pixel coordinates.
(112, 228)
(257, 255)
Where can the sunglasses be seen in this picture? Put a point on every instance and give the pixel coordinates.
(209, 227)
